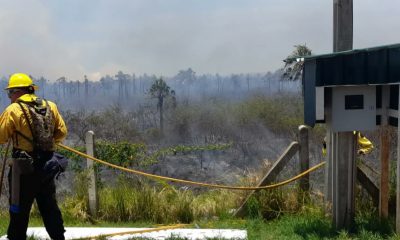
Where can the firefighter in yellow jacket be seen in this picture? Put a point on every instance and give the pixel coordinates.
(34, 125)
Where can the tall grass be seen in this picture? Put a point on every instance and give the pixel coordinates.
(3, 224)
(127, 203)
(131, 200)
(215, 203)
(272, 203)
(77, 205)
(140, 201)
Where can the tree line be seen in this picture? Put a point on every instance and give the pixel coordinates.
(130, 91)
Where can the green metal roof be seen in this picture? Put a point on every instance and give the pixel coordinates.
(335, 54)
(377, 65)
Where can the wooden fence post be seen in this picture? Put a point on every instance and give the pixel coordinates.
(304, 158)
(92, 188)
(398, 175)
(344, 177)
(344, 144)
(384, 181)
(384, 155)
(271, 174)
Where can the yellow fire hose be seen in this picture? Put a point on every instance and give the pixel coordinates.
(187, 181)
(138, 231)
(161, 178)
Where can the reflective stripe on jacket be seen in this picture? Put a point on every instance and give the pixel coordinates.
(13, 119)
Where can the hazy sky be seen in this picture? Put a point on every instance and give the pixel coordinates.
(97, 37)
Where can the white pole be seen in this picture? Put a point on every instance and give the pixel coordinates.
(92, 189)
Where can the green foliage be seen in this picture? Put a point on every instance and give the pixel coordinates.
(124, 153)
(272, 203)
(183, 210)
(252, 208)
(130, 200)
(214, 203)
(3, 222)
(185, 149)
(124, 203)
(218, 121)
(134, 154)
(309, 223)
(282, 115)
(371, 223)
(77, 205)
(293, 68)
(159, 89)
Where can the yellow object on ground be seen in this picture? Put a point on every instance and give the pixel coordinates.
(365, 146)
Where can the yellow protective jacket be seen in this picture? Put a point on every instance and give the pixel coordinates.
(13, 119)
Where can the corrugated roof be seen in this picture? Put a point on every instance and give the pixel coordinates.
(376, 65)
(371, 49)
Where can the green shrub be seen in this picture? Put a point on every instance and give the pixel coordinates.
(77, 205)
(253, 207)
(124, 153)
(272, 203)
(282, 114)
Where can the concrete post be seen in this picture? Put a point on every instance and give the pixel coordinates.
(93, 199)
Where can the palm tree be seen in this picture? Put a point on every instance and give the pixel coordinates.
(293, 64)
(160, 90)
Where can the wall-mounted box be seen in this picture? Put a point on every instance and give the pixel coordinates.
(353, 108)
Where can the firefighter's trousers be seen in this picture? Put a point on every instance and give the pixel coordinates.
(27, 183)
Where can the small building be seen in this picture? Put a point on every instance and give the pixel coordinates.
(346, 89)
(356, 90)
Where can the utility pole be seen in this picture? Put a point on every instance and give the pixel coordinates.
(342, 145)
(342, 25)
